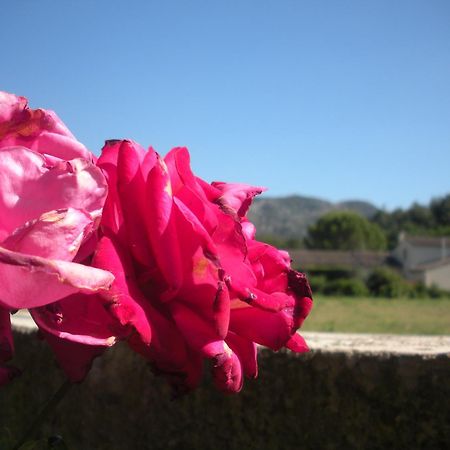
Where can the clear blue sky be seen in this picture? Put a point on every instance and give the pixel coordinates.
(336, 99)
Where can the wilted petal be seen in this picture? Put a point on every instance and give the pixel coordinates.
(28, 188)
(237, 196)
(227, 369)
(36, 129)
(28, 281)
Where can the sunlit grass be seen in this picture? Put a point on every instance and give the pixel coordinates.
(373, 315)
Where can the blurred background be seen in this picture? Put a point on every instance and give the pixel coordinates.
(341, 109)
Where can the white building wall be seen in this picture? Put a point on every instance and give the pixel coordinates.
(440, 276)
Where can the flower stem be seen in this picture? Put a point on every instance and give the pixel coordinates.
(44, 413)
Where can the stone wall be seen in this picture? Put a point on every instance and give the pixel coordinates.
(326, 399)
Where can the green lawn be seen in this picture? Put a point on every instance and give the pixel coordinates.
(373, 315)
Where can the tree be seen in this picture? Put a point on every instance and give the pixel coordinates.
(440, 208)
(345, 230)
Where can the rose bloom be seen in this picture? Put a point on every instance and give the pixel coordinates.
(191, 282)
(51, 198)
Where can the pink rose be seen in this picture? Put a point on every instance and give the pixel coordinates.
(51, 199)
(191, 282)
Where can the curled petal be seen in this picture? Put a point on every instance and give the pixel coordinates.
(78, 318)
(123, 300)
(56, 235)
(236, 196)
(247, 353)
(28, 281)
(297, 344)
(270, 329)
(29, 188)
(227, 369)
(37, 129)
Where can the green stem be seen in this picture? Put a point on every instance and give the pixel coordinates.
(46, 410)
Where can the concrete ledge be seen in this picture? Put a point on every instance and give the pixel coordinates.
(392, 344)
(349, 392)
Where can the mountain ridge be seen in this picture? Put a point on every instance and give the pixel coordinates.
(290, 216)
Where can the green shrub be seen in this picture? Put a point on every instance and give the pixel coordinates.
(317, 283)
(352, 287)
(384, 282)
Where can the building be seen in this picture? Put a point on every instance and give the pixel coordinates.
(424, 259)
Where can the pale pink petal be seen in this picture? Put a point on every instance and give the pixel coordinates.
(56, 235)
(38, 130)
(28, 188)
(10, 106)
(30, 281)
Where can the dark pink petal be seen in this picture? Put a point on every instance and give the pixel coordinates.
(227, 369)
(236, 196)
(298, 284)
(112, 216)
(131, 190)
(6, 339)
(221, 310)
(270, 329)
(198, 332)
(247, 353)
(30, 281)
(78, 318)
(186, 188)
(123, 300)
(297, 344)
(161, 231)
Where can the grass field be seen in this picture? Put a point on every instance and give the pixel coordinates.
(373, 315)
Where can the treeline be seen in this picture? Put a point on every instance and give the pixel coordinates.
(345, 230)
(430, 220)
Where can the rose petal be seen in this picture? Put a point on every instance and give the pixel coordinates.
(28, 188)
(30, 281)
(56, 235)
(39, 130)
(78, 318)
(237, 196)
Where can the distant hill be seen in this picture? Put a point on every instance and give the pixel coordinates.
(289, 217)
